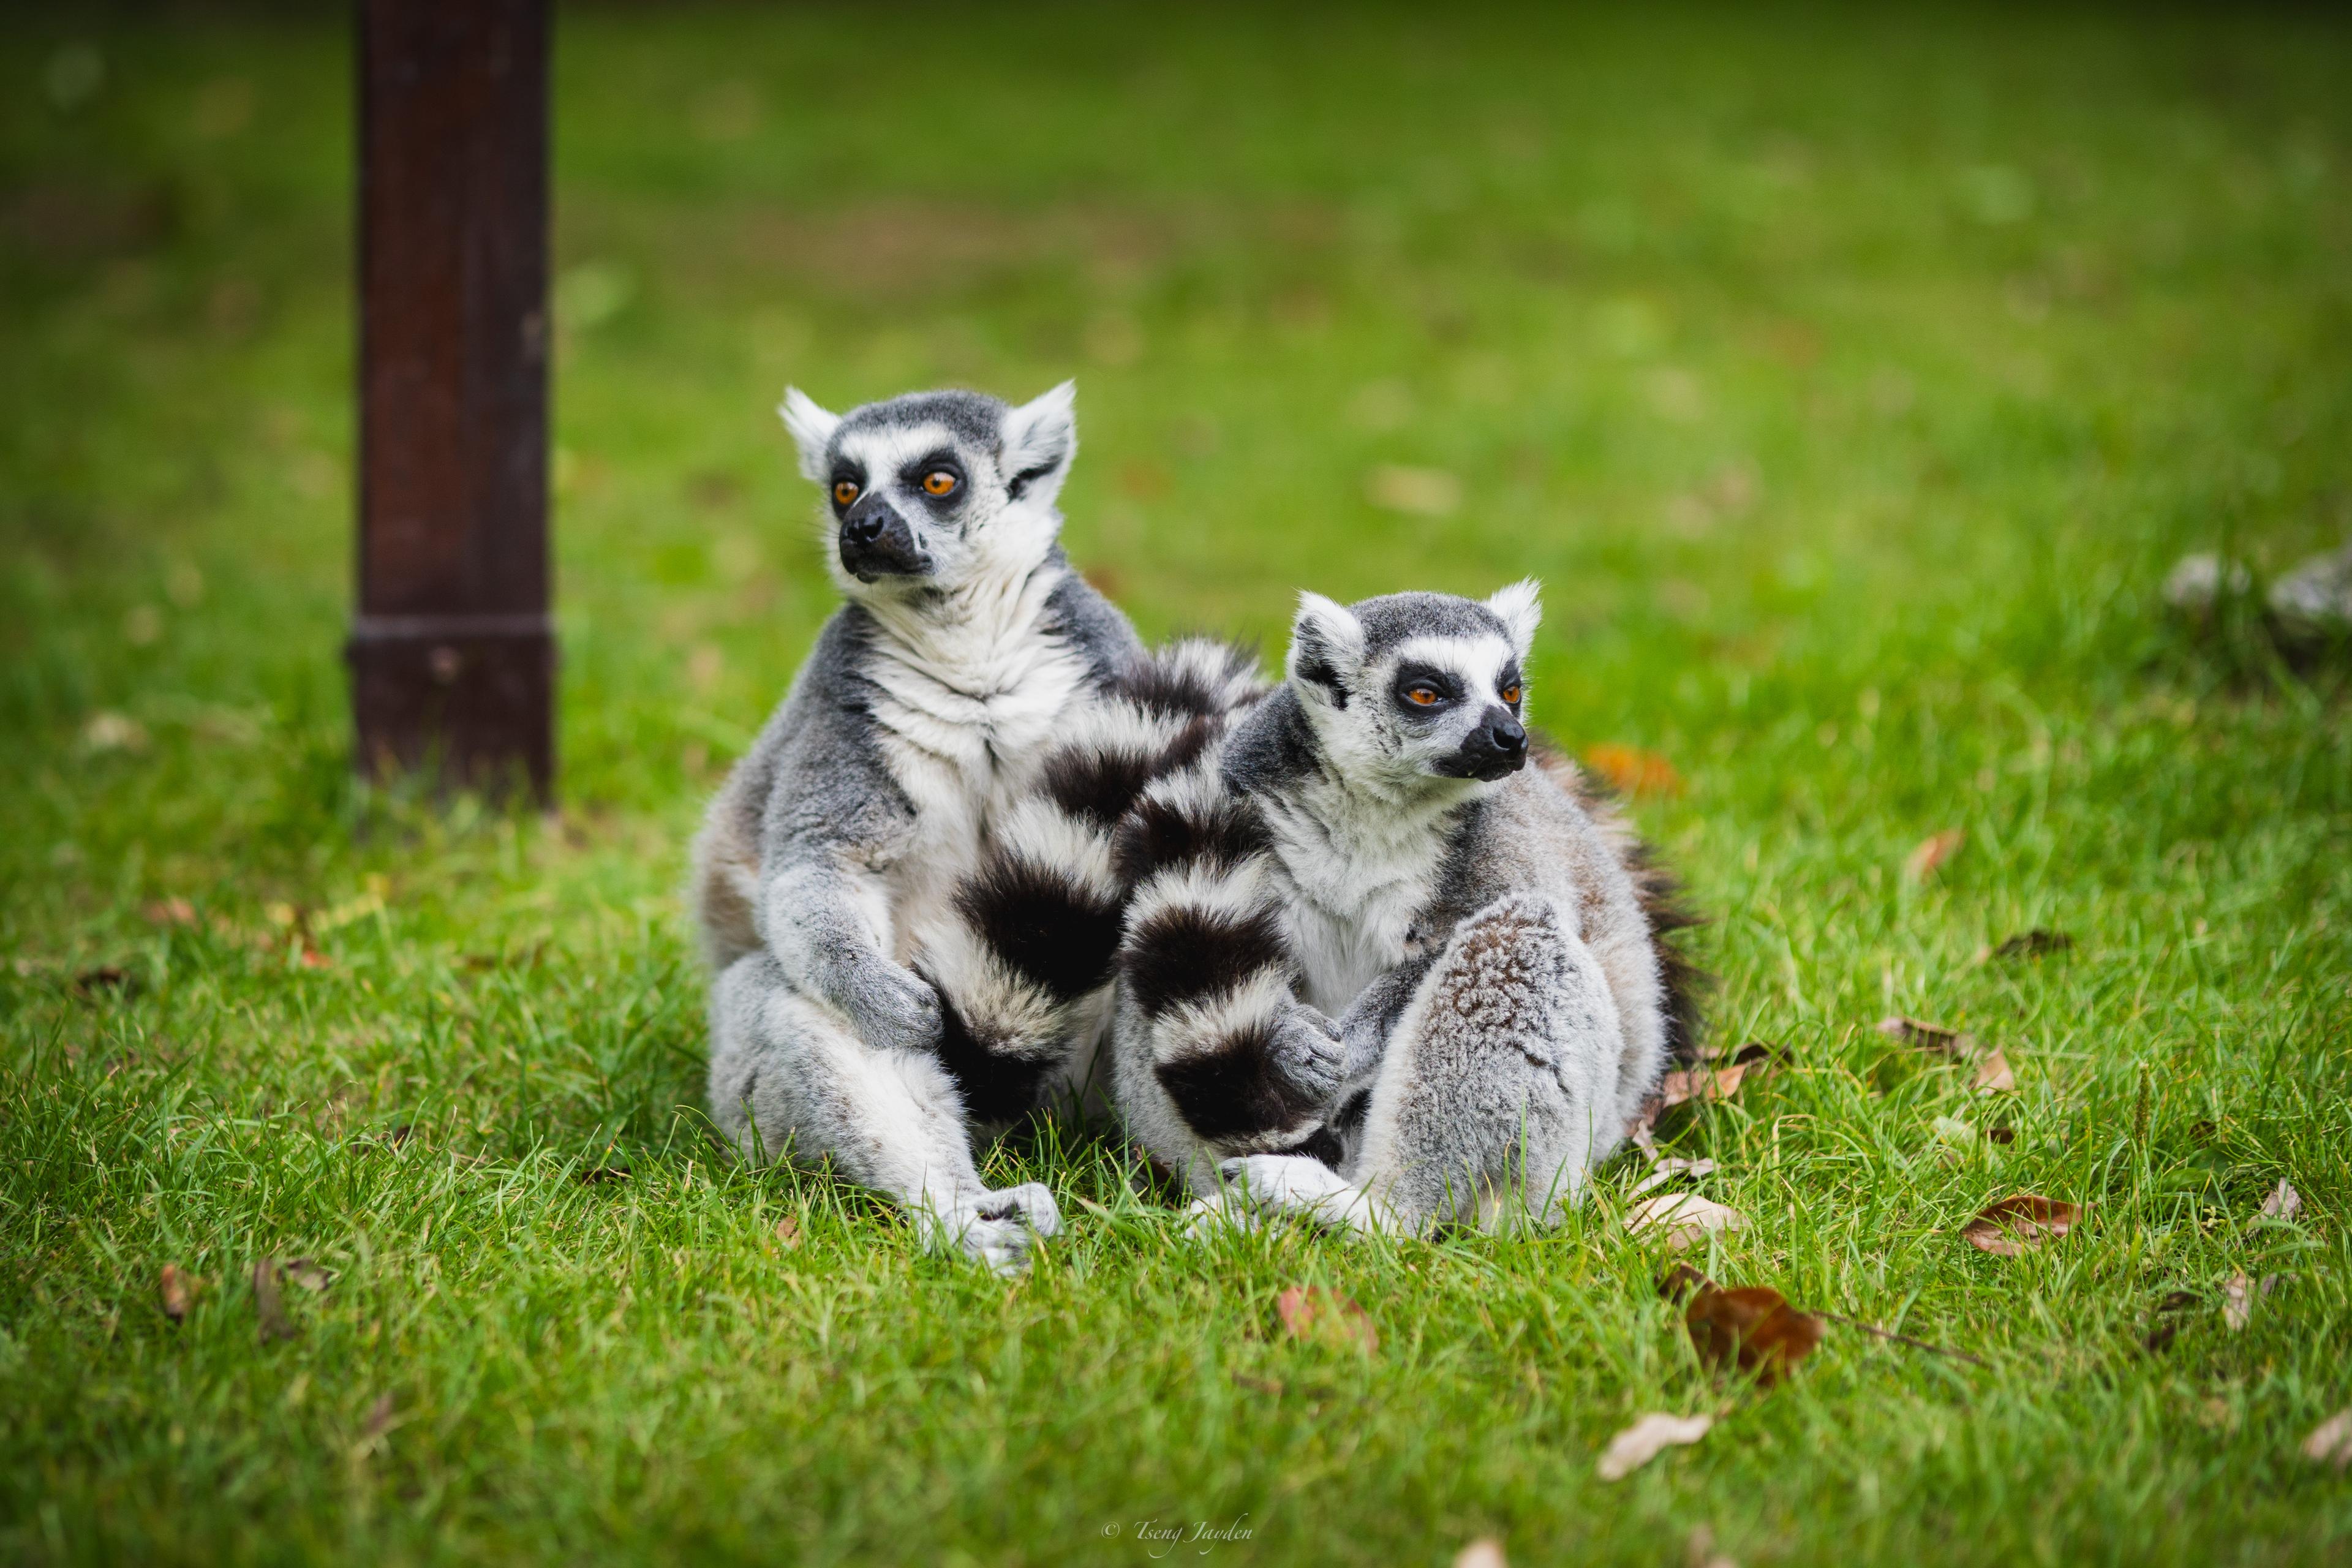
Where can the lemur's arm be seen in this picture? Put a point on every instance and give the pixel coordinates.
(1208, 970)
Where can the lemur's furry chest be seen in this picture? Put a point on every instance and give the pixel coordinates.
(962, 713)
(1359, 875)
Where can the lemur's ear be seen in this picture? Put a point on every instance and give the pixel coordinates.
(1327, 648)
(812, 429)
(1520, 611)
(1041, 437)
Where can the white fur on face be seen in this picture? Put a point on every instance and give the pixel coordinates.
(1370, 739)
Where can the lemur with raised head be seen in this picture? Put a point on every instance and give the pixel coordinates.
(892, 790)
(1368, 842)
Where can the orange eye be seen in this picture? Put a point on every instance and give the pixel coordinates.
(844, 491)
(1511, 695)
(1422, 696)
(939, 483)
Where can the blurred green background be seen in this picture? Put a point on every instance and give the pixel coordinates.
(1851, 377)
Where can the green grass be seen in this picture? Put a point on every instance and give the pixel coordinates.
(1850, 383)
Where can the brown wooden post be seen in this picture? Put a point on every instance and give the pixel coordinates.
(452, 653)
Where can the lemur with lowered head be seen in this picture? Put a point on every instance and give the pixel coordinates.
(892, 795)
(1367, 844)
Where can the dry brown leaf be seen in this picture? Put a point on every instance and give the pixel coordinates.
(1932, 852)
(105, 977)
(788, 1232)
(2033, 944)
(2284, 1202)
(2166, 1326)
(171, 912)
(306, 1272)
(1993, 1076)
(1753, 1328)
(1484, 1552)
(1681, 1282)
(1322, 1316)
(1926, 1036)
(2330, 1442)
(178, 1288)
(2018, 1222)
(268, 1306)
(1631, 771)
(2238, 1302)
(1684, 1216)
(1645, 1439)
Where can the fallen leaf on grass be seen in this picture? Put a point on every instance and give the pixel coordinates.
(268, 1307)
(1932, 852)
(1629, 769)
(1993, 1076)
(2167, 1327)
(1686, 1217)
(2018, 1222)
(178, 1288)
(1645, 1439)
(2238, 1302)
(105, 977)
(1926, 1036)
(2033, 943)
(2330, 1442)
(1322, 1316)
(371, 1430)
(1755, 1059)
(788, 1232)
(2284, 1202)
(1259, 1385)
(1664, 1168)
(1484, 1552)
(306, 1272)
(1681, 1280)
(1753, 1328)
(171, 912)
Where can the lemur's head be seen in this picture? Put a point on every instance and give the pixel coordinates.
(935, 490)
(1417, 686)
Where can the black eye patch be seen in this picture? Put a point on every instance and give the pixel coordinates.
(1441, 687)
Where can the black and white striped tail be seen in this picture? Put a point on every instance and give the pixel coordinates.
(1206, 973)
(1025, 964)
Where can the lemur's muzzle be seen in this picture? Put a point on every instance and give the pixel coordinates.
(1496, 749)
(877, 542)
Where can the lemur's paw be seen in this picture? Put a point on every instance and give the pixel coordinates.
(1307, 1049)
(1286, 1184)
(1000, 1231)
(896, 1009)
(1029, 1202)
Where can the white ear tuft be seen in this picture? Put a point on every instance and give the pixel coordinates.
(1327, 648)
(812, 428)
(1041, 437)
(1520, 611)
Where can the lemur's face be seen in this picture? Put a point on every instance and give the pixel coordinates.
(1418, 686)
(933, 491)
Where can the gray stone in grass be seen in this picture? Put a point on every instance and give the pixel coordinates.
(2313, 602)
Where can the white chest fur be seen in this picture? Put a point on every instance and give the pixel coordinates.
(1359, 870)
(971, 688)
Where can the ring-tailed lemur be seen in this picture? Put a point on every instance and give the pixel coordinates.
(1369, 843)
(833, 856)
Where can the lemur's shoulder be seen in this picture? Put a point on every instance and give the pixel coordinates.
(1094, 627)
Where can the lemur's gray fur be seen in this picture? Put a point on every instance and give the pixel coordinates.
(1367, 842)
(832, 864)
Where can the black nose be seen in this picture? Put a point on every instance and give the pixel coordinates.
(866, 529)
(1510, 736)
